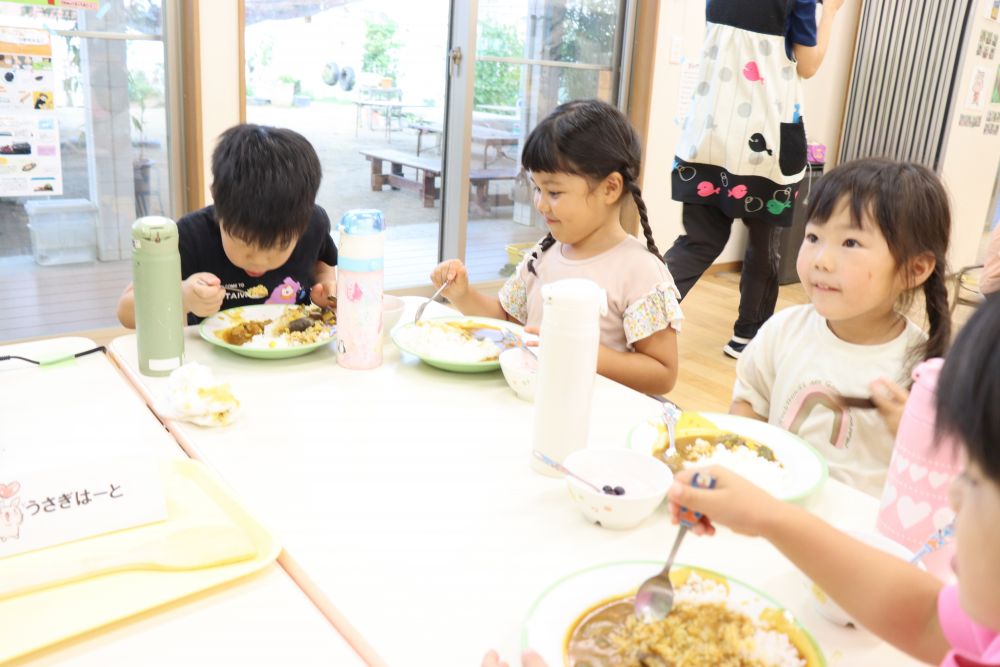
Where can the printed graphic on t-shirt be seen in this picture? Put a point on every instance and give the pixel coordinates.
(809, 401)
(287, 292)
(240, 290)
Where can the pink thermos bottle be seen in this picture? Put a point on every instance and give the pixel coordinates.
(915, 497)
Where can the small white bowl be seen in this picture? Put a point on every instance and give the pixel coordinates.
(392, 310)
(520, 369)
(645, 479)
(829, 609)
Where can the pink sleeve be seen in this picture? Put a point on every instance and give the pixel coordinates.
(991, 266)
(963, 634)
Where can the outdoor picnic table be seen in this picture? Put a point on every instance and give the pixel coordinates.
(487, 136)
(388, 108)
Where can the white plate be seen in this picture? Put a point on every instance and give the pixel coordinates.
(806, 467)
(555, 612)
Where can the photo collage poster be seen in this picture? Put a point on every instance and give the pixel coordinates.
(30, 162)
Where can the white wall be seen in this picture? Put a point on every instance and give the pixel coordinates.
(971, 158)
(681, 30)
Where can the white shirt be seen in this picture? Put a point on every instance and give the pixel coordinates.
(788, 370)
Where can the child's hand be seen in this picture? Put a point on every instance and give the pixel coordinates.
(537, 331)
(455, 271)
(202, 294)
(734, 502)
(890, 399)
(528, 659)
(324, 294)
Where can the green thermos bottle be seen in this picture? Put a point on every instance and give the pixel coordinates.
(156, 279)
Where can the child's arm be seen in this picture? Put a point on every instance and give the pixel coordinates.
(324, 291)
(461, 295)
(651, 369)
(744, 409)
(893, 599)
(201, 294)
(809, 58)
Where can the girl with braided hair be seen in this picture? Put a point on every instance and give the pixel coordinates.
(583, 160)
(877, 234)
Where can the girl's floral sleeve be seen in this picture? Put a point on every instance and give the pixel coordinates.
(658, 309)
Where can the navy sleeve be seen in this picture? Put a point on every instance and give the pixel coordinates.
(327, 249)
(802, 23)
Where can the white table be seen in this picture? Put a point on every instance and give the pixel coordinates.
(405, 494)
(87, 409)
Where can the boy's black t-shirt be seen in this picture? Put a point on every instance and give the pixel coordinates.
(200, 242)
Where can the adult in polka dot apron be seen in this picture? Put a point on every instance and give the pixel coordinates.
(742, 150)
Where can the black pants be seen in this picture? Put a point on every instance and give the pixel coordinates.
(706, 233)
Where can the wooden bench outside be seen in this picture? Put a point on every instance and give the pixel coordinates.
(427, 170)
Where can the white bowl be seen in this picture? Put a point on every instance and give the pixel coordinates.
(644, 478)
(392, 310)
(520, 369)
(829, 609)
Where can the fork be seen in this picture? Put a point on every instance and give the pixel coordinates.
(423, 306)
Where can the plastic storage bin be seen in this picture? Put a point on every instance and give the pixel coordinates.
(63, 231)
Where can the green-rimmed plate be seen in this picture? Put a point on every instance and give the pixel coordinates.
(227, 318)
(402, 336)
(553, 617)
(803, 469)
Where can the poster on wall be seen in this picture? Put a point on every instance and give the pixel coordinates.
(991, 8)
(995, 94)
(68, 4)
(977, 94)
(30, 163)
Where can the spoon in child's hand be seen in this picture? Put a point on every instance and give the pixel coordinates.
(655, 597)
(423, 306)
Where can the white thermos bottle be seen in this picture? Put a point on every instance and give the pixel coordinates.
(570, 337)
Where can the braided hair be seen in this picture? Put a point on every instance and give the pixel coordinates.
(588, 138)
(910, 206)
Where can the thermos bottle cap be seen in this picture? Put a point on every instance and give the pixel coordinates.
(362, 221)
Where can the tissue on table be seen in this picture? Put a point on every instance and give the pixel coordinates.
(192, 394)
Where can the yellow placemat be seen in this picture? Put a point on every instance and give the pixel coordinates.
(194, 497)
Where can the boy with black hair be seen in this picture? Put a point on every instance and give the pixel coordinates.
(264, 240)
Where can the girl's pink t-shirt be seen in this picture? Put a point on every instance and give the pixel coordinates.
(972, 645)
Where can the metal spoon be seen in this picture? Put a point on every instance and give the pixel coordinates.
(564, 470)
(671, 415)
(423, 306)
(655, 597)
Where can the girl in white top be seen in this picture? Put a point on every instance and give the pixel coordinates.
(877, 231)
(583, 159)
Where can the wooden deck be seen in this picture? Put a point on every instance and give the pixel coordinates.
(50, 300)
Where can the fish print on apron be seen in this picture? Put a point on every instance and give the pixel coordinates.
(743, 144)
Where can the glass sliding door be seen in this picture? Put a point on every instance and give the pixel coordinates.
(365, 82)
(531, 56)
(85, 147)
(420, 109)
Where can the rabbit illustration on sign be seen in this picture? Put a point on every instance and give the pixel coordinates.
(10, 520)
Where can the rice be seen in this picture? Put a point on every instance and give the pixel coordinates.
(440, 340)
(769, 475)
(276, 334)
